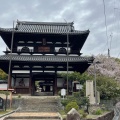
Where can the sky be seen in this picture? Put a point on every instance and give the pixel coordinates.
(101, 17)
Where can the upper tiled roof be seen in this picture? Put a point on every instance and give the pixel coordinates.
(44, 27)
(39, 58)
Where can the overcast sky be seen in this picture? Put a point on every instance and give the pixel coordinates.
(86, 14)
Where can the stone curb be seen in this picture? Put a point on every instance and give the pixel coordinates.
(7, 114)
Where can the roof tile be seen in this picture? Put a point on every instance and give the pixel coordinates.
(45, 27)
(39, 58)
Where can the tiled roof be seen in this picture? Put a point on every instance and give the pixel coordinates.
(40, 58)
(44, 27)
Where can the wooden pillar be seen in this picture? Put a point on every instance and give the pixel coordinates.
(55, 83)
(9, 79)
(15, 81)
(30, 82)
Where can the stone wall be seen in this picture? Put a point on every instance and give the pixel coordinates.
(108, 116)
(110, 104)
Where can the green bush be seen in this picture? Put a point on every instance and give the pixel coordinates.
(82, 113)
(67, 100)
(59, 93)
(19, 95)
(4, 92)
(64, 102)
(71, 105)
(79, 100)
(98, 112)
(76, 94)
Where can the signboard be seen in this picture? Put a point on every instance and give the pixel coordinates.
(43, 49)
(63, 92)
(79, 86)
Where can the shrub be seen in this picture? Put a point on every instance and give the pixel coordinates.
(71, 105)
(19, 95)
(64, 102)
(82, 113)
(4, 92)
(59, 93)
(67, 100)
(76, 94)
(98, 112)
(103, 107)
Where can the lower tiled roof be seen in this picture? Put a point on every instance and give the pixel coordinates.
(40, 58)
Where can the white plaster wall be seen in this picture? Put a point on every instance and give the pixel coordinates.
(3, 86)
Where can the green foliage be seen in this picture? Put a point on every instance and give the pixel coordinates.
(3, 75)
(98, 111)
(76, 94)
(36, 83)
(117, 60)
(62, 112)
(107, 87)
(64, 102)
(71, 105)
(19, 95)
(4, 92)
(82, 113)
(81, 101)
(76, 76)
(85, 101)
(59, 92)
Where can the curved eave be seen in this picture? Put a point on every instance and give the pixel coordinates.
(6, 35)
(79, 64)
(75, 32)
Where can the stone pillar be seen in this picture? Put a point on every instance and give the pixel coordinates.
(90, 91)
(73, 115)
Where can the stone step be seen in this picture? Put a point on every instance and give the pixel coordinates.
(32, 119)
(33, 116)
(41, 104)
(39, 118)
(44, 93)
(39, 110)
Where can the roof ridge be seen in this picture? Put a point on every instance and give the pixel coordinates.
(45, 23)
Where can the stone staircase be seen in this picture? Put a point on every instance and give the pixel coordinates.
(40, 104)
(36, 108)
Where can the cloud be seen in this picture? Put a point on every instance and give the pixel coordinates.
(85, 14)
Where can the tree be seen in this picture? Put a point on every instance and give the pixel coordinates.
(3, 75)
(107, 87)
(77, 76)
